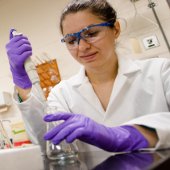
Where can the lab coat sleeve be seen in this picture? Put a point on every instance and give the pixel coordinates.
(32, 114)
(33, 111)
(159, 121)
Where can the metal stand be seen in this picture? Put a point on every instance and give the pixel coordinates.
(152, 6)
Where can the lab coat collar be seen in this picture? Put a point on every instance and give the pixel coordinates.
(127, 67)
(79, 78)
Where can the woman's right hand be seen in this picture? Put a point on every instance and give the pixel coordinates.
(19, 50)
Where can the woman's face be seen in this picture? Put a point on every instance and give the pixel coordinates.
(91, 54)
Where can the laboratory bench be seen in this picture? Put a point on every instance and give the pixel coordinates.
(30, 158)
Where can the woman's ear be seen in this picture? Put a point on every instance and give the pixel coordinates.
(116, 29)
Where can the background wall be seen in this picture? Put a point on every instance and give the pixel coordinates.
(39, 19)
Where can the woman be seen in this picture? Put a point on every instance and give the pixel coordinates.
(113, 103)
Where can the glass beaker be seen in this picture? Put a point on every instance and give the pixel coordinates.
(64, 152)
(77, 165)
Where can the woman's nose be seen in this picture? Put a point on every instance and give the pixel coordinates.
(83, 45)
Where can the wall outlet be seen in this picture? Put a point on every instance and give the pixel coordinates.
(150, 42)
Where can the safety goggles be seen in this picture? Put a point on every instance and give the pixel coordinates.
(90, 34)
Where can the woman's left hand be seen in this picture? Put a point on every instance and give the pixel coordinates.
(77, 126)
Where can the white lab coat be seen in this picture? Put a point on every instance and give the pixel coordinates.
(140, 95)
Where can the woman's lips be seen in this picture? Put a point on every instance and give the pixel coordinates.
(89, 57)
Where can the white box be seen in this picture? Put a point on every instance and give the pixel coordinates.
(5, 99)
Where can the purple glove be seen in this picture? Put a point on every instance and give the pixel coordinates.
(76, 126)
(18, 50)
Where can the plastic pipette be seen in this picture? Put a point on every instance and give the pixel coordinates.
(32, 74)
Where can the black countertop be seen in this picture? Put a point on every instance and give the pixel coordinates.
(31, 159)
(100, 160)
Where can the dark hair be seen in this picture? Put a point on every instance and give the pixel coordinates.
(100, 8)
